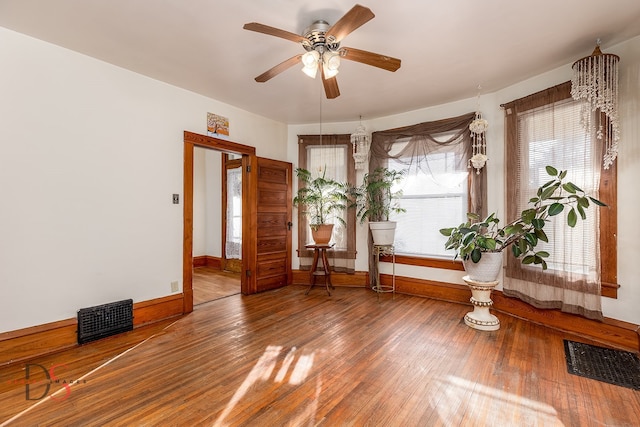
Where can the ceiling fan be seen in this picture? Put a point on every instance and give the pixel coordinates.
(322, 43)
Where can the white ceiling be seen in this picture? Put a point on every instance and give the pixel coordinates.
(448, 48)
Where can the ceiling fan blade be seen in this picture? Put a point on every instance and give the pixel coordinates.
(330, 86)
(374, 59)
(265, 29)
(285, 65)
(357, 16)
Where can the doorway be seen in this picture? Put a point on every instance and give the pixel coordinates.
(217, 224)
(191, 141)
(266, 218)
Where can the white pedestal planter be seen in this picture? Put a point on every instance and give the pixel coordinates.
(480, 318)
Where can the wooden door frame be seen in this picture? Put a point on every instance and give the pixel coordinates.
(249, 161)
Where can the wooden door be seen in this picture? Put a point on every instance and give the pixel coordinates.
(272, 224)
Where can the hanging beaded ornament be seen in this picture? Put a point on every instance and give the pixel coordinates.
(478, 128)
(595, 79)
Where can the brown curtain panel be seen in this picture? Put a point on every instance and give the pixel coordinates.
(449, 135)
(423, 139)
(565, 287)
(341, 259)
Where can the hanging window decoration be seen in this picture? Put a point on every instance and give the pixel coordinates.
(595, 79)
(478, 128)
(360, 141)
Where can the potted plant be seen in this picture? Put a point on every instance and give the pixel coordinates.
(478, 239)
(376, 201)
(320, 198)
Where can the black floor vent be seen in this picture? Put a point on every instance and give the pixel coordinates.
(104, 320)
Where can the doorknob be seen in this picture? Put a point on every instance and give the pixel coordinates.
(289, 224)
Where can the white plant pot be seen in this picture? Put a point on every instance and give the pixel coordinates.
(487, 269)
(383, 232)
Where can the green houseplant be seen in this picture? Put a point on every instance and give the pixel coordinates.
(476, 237)
(319, 198)
(375, 201)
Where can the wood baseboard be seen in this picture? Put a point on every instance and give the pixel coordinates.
(207, 261)
(150, 311)
(23, 344)
(610, 332)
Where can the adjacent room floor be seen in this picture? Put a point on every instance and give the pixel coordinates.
(210, 284)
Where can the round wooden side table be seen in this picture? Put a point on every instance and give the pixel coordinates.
(320, 254)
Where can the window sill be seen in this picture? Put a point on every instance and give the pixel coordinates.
(609, 290)
(447, 264)
(305, 253)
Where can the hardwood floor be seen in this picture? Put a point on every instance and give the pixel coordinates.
(211, 283)
(283, 358)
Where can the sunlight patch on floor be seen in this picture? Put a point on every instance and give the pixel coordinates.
(263, 371)
(462, 402)
(301, 370)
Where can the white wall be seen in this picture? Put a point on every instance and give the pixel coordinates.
(626, 306)
(199, 202)
(90, 155)
(213, 223)
(207, 199)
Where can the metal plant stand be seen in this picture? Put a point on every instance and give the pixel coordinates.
(378, 287)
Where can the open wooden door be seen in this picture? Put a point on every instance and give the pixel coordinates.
(271, 223)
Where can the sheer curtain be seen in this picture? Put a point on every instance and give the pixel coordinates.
(332, 153)
(544, 129)
(330, 161)
(424, 139)
(434, 153)
(417, 148)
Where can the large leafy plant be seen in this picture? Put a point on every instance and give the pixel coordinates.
(374, 199)
(320, 197)
(475, 236)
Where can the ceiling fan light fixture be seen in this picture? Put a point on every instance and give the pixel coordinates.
(311, 58)
(310, 62)
(322, 43)
(310, 71)
(329, 73)
(330, 63)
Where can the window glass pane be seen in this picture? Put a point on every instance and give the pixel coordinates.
(435, 195)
